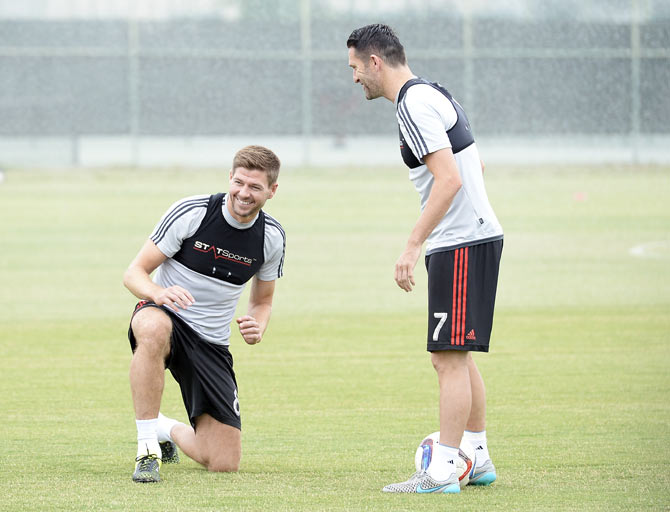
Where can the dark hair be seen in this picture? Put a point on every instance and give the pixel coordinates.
(258, 158)
(380, 40)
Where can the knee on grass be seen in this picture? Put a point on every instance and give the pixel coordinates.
(222, 466)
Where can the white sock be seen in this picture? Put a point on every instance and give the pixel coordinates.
(164, 428)
(478, 442)
(147, 441)
(443, 462)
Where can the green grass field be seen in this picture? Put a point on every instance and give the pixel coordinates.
(340, 392)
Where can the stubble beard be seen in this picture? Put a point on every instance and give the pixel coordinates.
(372, 92)
(252, 212)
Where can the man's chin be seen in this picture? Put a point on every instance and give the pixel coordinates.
(246, 213)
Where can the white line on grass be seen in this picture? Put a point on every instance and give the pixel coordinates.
(654, 250)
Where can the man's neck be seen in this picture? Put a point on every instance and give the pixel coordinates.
(397, 77)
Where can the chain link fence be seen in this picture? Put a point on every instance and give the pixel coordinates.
(102, 83)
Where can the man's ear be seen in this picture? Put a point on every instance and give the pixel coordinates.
(376, 61)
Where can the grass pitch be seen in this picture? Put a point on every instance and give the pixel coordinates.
(336, 398)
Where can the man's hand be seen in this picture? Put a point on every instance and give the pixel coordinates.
(137, 279)
(174, 297)
(404, 267)
(250, 329)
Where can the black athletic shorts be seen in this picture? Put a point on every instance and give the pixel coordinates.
(462, 287)
(203, 370)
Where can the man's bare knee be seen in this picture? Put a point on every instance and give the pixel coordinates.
(448, 360)
(219, 445)
(223, 466)
(223, 461)
(152, 329)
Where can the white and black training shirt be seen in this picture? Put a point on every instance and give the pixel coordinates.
(429, 120)
(212, 255)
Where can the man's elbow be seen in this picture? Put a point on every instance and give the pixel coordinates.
(127, 277)
(452, 183)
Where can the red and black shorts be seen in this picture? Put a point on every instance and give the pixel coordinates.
(462, 287)
(203, 370)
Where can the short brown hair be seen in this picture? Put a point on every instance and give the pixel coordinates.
(258, 158)
(380, 40)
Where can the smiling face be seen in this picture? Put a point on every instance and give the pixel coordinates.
(367, 74)
(248, 192)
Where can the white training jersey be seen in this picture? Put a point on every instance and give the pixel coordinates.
(215, 299)
(426, 113)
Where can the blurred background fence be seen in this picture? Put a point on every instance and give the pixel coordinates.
(177, 82)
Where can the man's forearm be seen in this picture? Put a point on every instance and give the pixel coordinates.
(439, 201)
(140, 284)
(261, 312)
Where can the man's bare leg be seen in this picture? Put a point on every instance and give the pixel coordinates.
(213, 444)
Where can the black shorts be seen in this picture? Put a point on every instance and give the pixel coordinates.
(462, 287)
(203, 370)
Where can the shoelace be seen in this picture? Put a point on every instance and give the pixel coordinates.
(145, 461)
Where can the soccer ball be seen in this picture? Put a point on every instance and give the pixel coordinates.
(424, 454)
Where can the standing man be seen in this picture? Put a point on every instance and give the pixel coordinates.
(464, 244)
(205, 249)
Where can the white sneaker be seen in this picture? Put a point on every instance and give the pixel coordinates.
(421, 482)
(484, 474)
